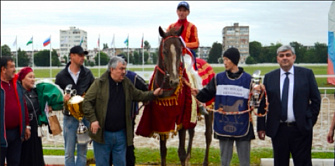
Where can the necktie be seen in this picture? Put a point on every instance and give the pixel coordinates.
(284, 98)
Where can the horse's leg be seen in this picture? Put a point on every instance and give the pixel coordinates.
(190, 142)
(163, 150)
(208, 134)
(181, 148)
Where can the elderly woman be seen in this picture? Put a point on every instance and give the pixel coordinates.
(36, 96)
(32, 152)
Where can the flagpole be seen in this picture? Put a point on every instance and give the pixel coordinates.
(128, 48)
(50, 60)
(114, 44)
(99, 53)
(142, 44)
(32, 53)
(17, 57)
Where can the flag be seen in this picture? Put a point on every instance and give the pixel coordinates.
(126, 41)
(15, 42)
(64, 41)
(30, 41)
(331, 44)
(142, 41)
(81, 41)
(46, 42)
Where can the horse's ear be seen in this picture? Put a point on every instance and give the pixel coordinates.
(180, 30)
(161, 32)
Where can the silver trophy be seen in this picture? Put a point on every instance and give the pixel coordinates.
(74, 105)
(255, 89)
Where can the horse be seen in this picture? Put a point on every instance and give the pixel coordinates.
(171, 112)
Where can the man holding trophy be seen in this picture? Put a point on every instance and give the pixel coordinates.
(74, 79)
(232, 119)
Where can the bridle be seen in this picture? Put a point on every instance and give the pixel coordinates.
(164, 71)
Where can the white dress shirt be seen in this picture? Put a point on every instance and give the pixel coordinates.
(290, 113)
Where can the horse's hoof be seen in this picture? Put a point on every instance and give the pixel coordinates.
(203, 110)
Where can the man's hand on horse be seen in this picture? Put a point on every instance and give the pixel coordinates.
(158, 92)
(194, 91)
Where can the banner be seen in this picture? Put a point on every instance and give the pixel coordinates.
(331, 44)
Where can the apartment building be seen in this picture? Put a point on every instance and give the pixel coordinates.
(72, 37)
(238, 37)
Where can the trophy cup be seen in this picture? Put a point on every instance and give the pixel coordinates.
(255, 90)
(74, 105)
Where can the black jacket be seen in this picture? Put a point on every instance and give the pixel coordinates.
(86, 78)
(306, 101)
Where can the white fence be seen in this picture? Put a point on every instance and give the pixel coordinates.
(319, 136)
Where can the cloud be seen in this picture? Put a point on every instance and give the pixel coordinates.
(269, 21)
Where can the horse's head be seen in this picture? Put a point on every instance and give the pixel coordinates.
(170, 51)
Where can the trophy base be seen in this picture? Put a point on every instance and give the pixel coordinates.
(83, 138)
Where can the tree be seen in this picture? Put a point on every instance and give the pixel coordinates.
(250, 60)
(146, 57)
(5, 50)
(321, 52)
(255, 49)
(137, 58)
(42, 58)
(105, 46)
(65, 59)
(147, 45)
(23, 59)
(103, 59)
(300, 51)
(215, 53)
(154, 58)
(269, 53)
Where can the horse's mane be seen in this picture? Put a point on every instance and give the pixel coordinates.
(172, 32)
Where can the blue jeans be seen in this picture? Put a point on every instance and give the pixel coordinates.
(115, 143)
(70, 125)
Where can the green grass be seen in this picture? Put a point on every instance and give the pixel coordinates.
(151, 156)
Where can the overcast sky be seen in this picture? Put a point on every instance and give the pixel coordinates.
(269, 21)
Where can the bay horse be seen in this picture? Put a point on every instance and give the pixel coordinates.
(171, 112)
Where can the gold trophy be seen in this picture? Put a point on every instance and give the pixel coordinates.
(74, 105)
(255, 90)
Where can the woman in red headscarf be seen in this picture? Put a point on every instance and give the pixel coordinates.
(32, 152)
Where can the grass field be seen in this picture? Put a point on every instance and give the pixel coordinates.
(318, 70)
(151, 156)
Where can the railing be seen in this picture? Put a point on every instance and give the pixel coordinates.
(321, 127)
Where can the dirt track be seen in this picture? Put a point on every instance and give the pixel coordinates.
(319, 138)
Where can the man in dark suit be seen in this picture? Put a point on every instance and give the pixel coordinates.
(294, 105)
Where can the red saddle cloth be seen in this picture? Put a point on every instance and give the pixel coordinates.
(167, 115)
(206, 73)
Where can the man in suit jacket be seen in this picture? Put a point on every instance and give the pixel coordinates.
(290, 125)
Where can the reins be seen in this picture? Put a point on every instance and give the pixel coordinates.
(164, 71)
(221, 111)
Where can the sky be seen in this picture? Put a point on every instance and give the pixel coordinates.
(269, 21)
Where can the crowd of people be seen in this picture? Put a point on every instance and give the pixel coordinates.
(110, 107)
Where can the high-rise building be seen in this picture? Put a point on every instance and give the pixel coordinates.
(70, 38)
(238, 37)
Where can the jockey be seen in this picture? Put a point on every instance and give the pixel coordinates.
(190, 40)
(190, 32)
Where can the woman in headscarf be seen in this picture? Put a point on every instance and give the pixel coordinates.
(32, 151)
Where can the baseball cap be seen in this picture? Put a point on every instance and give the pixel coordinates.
(183, 4)
(78, 50)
